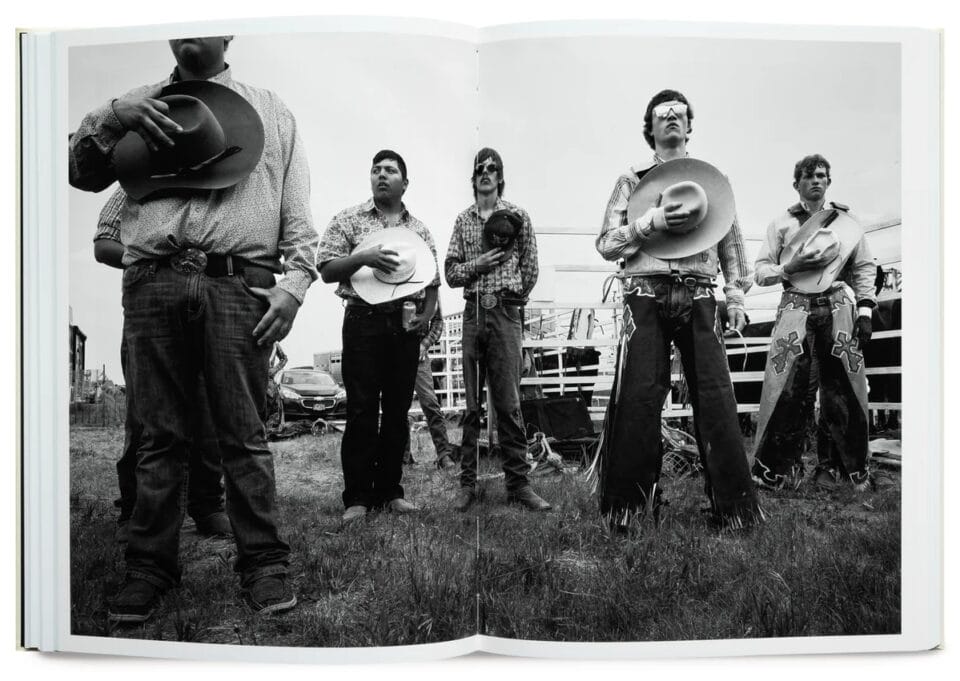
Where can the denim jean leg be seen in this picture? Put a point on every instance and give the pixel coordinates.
(402, 349)
(474, 374)
(160, 330)
(430, 406)
(235, 370)
(127, 463)
(504, 362)
(362, 367)
(634, 454)
(205, 486)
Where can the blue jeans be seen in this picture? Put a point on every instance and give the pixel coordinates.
(379, 371)
(176, 327)
(492, 351)
(204, 487)
(430, 405)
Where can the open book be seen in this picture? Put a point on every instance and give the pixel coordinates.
(830, 570)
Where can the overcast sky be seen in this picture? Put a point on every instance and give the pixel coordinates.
(565, 113)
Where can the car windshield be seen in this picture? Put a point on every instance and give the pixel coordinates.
(308, 378)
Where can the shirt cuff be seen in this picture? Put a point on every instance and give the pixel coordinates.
(296, 283)
(865, 311)
(641, 228)
(111, 130)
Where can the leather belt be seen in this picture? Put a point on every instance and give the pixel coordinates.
(488, 301)
(194, 261)
(689, 281)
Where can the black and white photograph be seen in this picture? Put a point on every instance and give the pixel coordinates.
(384, 334)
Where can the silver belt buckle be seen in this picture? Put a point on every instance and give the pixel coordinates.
(488, 301)
(189, 261)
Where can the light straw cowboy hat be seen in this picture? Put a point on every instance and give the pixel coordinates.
(416, 271)
(832, 232)
(702, 189)
(221, 143)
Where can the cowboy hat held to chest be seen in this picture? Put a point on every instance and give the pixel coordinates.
(834, 233)
(415, 271)
(703, 192)
(220, 144)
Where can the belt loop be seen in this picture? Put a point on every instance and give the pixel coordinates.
(229, 265)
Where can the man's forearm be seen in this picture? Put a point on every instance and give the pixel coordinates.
(109, 252)
(340, 269)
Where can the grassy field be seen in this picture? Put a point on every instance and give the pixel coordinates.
(823, 564)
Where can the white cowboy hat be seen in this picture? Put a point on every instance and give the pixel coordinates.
(416, 271)
(832, 232)
(703, 190)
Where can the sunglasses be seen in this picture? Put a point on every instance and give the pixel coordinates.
(663, 110)
(489, 168)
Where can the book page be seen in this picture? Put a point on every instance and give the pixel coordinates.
(829, 569)
(363, 590)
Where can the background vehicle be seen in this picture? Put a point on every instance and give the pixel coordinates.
(310, 394)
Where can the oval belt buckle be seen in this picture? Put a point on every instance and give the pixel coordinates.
(488, 301)
(189, 261)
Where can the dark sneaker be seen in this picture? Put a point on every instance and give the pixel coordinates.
(526, 497)
(122, 533)
(215, 525)
(135, 603)
(465, 498)
(269, 595)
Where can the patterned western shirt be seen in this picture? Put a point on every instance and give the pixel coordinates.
(264, 216)
(516, 276)
(859, 271)
(351, 226)
(111, 215)
(620, 240)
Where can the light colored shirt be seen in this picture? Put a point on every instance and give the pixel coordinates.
(619, 239)
(515, 276)
(859, 271)
(263, 217)
(351, 226)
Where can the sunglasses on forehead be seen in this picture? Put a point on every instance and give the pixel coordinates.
(489, 167)
(663, 110)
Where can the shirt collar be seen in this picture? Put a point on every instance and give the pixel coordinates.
(803, 204)
(225, 77)
(370, 207)
(658, 160)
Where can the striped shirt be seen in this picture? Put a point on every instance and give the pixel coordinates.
(351, 226)
(619, 240)
(108, 225)
(263, 217)
(515, 276)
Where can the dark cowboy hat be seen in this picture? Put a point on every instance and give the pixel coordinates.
(703, 190)
(221, 143)
(501, 230)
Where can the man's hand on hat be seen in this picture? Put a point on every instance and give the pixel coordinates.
(805, 260)
(146, 116)
(278, 319)
(490, 260)
(670, 218)
(379, 258)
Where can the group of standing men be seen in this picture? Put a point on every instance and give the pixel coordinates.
(204, 234)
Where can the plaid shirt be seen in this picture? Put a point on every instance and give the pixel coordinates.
(351, 226)
(516, 276)
(111, 215)
(620, 240)
(261, 218)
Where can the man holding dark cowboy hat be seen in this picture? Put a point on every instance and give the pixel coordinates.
(819, 253)
(673, 223)
(219, 192)
(493, 256)
(383, 258)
